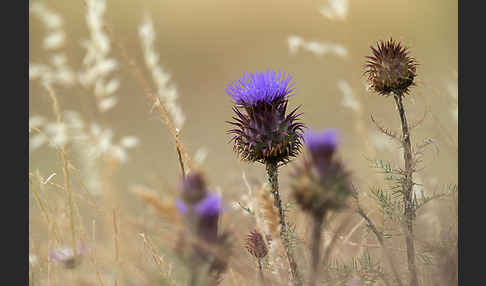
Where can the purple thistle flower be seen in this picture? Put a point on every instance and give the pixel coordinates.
(264, 133)
(265, 86)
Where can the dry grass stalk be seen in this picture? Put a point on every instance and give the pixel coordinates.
(65, 168)
(164, 209)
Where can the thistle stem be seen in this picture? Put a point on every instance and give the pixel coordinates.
(379, 237)
(316, 248)
(272, 171)
(407, 191)
(260, 271)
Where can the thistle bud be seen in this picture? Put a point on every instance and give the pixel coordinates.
(255, 244)
(390, 68)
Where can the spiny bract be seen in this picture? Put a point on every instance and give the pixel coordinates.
(390, 69)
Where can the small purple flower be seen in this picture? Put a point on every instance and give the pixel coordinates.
(257, 87)
(264, 133)
(209, 206)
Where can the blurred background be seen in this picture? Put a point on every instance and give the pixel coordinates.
(205, 45)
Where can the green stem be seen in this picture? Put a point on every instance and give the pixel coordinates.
(272, 171)
(407, 188)
(260, 271)
(316, 248)
(379, 237)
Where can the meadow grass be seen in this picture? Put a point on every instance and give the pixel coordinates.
(87, 228)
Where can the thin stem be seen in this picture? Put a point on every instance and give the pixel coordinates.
(379, 237)
(181, 161)
(272, 171)
(316, 248)
(194, 276)
(65, 167)
(260, 271)
(407, 191)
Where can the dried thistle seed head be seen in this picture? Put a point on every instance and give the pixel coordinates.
(255, 244)
(321, 183)
(193, 187)
(390, 68)
(264, 133)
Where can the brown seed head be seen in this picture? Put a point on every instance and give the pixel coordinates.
(390, 68)
(256, 245)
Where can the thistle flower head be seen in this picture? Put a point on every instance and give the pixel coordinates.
(263, 131)
(321, 183)
(255, 244)
(390, 68)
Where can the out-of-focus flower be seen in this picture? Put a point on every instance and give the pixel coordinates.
(264, 133)
(200, 206)
(201, 209)
(65, 256)
(390, 68)
(321, 183)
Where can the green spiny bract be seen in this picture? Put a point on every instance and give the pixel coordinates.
(264, 133)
